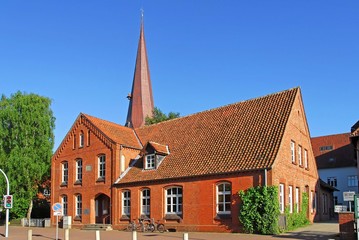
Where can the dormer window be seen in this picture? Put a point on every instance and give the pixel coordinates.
(153, 154)
(150, 161)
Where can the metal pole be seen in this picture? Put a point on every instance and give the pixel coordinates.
(7, 210)
(57, 227)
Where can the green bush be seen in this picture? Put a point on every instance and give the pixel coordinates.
(298, 219)
(259, 210)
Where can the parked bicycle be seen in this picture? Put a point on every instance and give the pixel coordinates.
(157, 225)
(142, 225)
(146, 225)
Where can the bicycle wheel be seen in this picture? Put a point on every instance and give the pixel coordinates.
(161, 228)
(130, 227)
(151, 227)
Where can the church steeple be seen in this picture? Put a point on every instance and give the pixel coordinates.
(141, 99)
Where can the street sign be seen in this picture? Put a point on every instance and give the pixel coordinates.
(348, 196)
(57, 207)
(340, 208)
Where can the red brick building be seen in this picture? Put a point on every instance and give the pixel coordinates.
(187, 171)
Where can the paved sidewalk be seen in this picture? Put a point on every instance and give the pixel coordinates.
(320, 231)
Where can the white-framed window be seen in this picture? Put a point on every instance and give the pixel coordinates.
(174, 200)
(145, 202)
(81, 139)
(292, 151)
(290, 198)
(281, 198)
(64, 204)
(332, 181)
(300, 162)
(305, 158)
(126, 203)
(78, 204)
(101, 166)
(79, 170)
(297, 192)
(65, 172)
(352, 181)
(150, 161)
(224, 193)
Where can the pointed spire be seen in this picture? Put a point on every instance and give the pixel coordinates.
(141, 100)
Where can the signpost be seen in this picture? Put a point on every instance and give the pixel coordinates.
(7, 209)
(349, 197)
(57, 208)
(356, 212)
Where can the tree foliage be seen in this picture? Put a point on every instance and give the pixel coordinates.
(159, 116)
(259, 210)
(26, 143)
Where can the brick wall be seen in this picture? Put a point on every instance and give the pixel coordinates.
(346, 225)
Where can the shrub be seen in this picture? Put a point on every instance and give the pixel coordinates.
(259, 210)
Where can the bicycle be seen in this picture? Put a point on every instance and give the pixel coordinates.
(157, 225)
(140, 226)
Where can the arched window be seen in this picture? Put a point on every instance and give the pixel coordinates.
(81, 139)
(64, 173)
(145, 202)
(174, 200)
(224, 193)
(101, 166)
(78, 204)
(79, 170)
(126, 203)
(64, 204)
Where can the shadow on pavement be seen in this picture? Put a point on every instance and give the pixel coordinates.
(307, 235)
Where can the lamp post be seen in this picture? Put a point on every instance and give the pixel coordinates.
(7, 209)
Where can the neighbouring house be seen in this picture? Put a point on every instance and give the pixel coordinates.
(336, 164)
(186, 172)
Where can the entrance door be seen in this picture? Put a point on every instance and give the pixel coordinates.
(102, 204)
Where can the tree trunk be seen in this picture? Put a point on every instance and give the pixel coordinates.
(29, 212)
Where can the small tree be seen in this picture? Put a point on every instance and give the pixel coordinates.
(26, 143)
(159, 116)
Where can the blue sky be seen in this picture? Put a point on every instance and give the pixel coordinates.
(202, 54)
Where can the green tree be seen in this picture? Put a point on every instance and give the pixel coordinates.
(26, 143)
(159, 116)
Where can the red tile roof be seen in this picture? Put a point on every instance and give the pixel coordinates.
(119, 134)
(159, 148)
(233, 138)
(342, 154)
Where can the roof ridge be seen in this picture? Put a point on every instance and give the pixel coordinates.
(224, 106)
(331, 135)
(106, 121)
